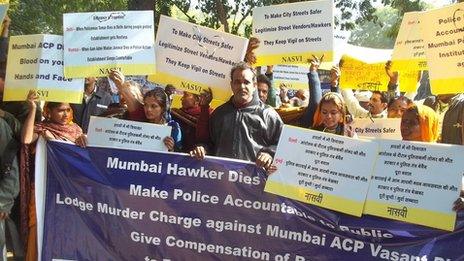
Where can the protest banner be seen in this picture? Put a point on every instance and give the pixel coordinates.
(36, 62)
(193, 57)
(364, 69)
(292, 76)
(321, 169)
(416, 182)
(293, 33)
(409, 51)
(184, 209)
(117, 133)
(385, 128)
(443, 34)
(96, 43)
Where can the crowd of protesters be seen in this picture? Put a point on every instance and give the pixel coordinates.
(246, 127)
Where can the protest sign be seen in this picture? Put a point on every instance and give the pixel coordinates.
(193, 57)
(117, 133)
(364, 69)
(96, 43)
(416, 182)
(36, 62)
(321, 169)
(443, 34)
(184, 209)
(386, 128)
(292, 76)
(409, 51)
(293, 33)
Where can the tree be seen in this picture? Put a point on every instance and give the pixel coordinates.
(375, 34)
(402, 7)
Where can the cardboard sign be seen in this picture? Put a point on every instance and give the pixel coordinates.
(96, 43)
(116, 133)
(443, 33)
(292, 76)
(293, 33)
(36, 62)
(323, 169)
(409, 51)
(416, 182)
(193, 57)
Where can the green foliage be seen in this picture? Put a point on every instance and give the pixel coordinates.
(42, 16)
(346, 20)
(374, 34)
(402, 7)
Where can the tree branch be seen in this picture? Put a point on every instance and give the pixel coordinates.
(241, 20)
(191, 19)
(235, 16)
(222, 15)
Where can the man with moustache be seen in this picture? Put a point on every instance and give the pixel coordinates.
(244, 127)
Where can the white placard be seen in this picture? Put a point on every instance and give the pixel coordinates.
(293, 76)
(292, 33)
(193, 57)
(409, 50)
(416, 182)
(95, 43)
(323, 169)
(123, 134)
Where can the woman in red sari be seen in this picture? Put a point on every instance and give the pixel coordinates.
(57, 125)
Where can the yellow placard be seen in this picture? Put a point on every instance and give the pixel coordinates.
(36, 62)
(409, 51)
(411, 215)
(443, 33)
(362, 76)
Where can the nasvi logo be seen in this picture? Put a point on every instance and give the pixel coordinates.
(292, 59)
(191, 86)
(108, 70)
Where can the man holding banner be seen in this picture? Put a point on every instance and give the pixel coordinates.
(244, 127)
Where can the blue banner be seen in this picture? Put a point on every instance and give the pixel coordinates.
(112, 204)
